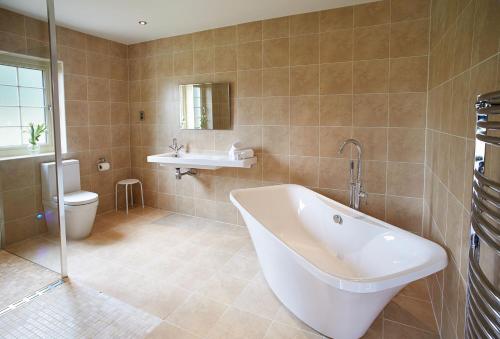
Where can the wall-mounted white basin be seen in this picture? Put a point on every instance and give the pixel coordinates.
(210, 161)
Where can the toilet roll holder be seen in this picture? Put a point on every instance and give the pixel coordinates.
(101, 165)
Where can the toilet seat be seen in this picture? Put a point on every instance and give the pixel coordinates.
(78, 198)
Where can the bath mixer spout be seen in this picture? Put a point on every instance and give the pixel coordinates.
(355, 183)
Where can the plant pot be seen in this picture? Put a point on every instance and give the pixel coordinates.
(34, 149)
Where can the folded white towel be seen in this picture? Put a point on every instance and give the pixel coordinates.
(243, 154)
(239, 152)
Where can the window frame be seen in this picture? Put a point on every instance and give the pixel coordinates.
(26, 61)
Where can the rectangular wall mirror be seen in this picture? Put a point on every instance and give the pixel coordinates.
(205, 106)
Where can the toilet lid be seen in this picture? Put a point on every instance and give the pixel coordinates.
(79, 198)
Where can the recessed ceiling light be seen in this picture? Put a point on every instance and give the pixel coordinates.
(143, 22)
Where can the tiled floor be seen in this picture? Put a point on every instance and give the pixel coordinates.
(200, 279)
(74, 311)
(20, 278)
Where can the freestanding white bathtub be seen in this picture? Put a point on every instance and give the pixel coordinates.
(336, 277)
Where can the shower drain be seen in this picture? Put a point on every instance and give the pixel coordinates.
(30, 297)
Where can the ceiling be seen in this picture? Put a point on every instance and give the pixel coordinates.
(118, 19)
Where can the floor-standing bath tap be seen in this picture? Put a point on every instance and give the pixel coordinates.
(355, 184)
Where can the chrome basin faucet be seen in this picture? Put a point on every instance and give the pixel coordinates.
(176, 148)
(355, 184)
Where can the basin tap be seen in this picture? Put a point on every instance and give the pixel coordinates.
(355, 184)
(175, 147)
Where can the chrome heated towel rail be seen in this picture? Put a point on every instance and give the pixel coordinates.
(483, 297)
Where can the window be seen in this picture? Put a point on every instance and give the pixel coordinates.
(25, 98)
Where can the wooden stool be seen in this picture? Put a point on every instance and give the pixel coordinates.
(127, 183)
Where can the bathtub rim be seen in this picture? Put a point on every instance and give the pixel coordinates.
(350, 284)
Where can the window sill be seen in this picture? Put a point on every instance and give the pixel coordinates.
(26, 156)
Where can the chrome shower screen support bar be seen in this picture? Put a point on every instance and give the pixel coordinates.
(56, 114)
(483, 297)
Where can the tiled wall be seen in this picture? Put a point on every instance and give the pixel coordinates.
(301, 85)
(464, 62)
(97, 117)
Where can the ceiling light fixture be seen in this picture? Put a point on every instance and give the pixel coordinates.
(143, 22)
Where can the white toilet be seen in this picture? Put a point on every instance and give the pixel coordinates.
(80, 207)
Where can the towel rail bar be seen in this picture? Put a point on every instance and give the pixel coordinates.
(483, 296)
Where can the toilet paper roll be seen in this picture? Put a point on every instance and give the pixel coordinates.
(103, 166)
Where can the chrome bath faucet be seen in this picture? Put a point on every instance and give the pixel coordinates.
(355, 184)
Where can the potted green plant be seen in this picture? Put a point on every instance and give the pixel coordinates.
(35, 132)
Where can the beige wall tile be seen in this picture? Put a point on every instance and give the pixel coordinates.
(370, 110)
(183, 63)
(98, 113)
(75, 87)
(249, 111)
(334, 173)
(486, 13)
(371, 76)
(409, 38)
(330, 42)
(405, 179)
(251, 31)
(12, 22)
(337, 18)
(76, 113)
(75, 61)
(304, 23)
(409, 9)
(304, 50)
(331, 138)
(463, 40)
(336, 78)
(182, 43)
(276, 111)
(336, 110)
(405, 213)
(406, 144)
(372, 13)
(99, 137)
(250, 55)
(98, 45)
(250, 83)
(304, 80)
(276, 52)
(371, 42)
(77, 138)
(275, 139)
(98, 89)
(407, 110)
(374, 141)
(275, 28)
(304, 141)
(374, 180)
(203, 61)
(304, 110)
(203, 40)
(304, 171)
(98, 65)
(276, 82)
(225, 58)
(225, 36)
(408, 74)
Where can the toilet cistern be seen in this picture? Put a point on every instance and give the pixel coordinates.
(355, 184)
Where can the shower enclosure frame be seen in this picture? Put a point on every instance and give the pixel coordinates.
(56, 116)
